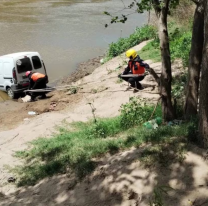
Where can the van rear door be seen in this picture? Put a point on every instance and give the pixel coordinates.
(31, 62)
(37, 64)
(23, 64)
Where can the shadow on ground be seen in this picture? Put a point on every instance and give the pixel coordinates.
(128, 178)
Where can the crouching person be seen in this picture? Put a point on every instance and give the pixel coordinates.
(36, 81)
(136, 67)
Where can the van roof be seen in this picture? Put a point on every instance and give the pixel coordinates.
(15, 55)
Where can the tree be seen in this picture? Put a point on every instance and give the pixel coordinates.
(162, 9)
(203, 96)
(195, 61)
(166, 75)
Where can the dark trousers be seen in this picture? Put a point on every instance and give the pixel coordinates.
(39, 84)
(134, 81)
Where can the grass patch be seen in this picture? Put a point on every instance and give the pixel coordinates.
(73, 152)
(169, 151)
(150, 51)
(140, 34)
(75, 149)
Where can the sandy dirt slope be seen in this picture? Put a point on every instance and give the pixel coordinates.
(122, 174)
(56, 101)
(121, 180)
(107, 102)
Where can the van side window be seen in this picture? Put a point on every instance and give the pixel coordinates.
(24, 65)
(36, 62)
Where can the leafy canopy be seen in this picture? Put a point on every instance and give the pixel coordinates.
(140, 7)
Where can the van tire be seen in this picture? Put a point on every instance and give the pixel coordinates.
(11, 94)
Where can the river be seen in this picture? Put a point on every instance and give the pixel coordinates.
(64, 32)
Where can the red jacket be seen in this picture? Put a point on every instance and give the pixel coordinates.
(136, 66)
(36, 76)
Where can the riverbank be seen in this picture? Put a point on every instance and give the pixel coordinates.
(83, 69)
(56, 101)
(119, 179)
(100, 88)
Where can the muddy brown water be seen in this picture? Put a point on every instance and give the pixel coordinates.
(64, 32)
(3, 96)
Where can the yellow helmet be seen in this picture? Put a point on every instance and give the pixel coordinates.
(131, 53)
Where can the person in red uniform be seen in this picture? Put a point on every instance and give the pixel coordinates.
(36, 81)
(137, 67)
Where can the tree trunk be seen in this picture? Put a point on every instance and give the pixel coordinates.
(166, 76)
(195, 61)
(203, 96)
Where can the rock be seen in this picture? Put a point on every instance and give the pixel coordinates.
(31, 113)
(72, 185)
(27, 98)
(132, 195)
(52, 106)
(11, 179)
(102, 61)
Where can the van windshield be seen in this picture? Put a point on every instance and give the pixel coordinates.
(23, 65)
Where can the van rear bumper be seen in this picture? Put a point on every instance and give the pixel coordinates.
(16, 89)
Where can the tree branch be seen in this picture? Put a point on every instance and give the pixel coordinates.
(123, 4)
(153, 73)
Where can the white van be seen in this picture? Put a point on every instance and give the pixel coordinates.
(13, 68)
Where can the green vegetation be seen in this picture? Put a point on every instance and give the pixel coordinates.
(180, 47)
(178, 85)
(141, 34)
(151, 51)
(158, 194)
(74, 150)
(180, 44)
(136, 112)
(160, 153)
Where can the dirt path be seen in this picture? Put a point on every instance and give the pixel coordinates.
(105, 92)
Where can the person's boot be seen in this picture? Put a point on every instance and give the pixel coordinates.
(139, 86)
(135, 90)
(43, 96)
(32, 99)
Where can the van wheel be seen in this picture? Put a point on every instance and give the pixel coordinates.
(10, 93)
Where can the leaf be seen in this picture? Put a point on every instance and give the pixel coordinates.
(106, 13)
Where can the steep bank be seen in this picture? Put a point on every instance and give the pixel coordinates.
(101, 88)
(119, 179)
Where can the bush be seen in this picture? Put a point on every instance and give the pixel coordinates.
(141, 34)
(178, 85)
(180, 47)
(137, 112)
(103, 128)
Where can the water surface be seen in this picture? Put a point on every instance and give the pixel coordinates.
(64, 32)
